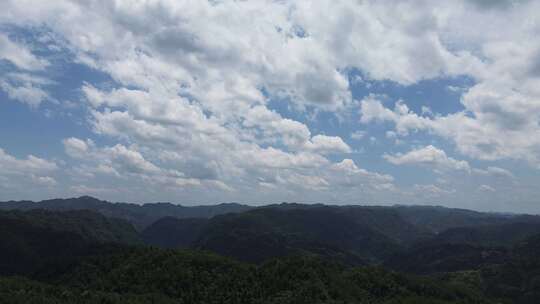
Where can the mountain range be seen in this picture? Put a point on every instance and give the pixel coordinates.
(139, 215)
(158, 252)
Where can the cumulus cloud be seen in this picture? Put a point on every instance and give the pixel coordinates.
(499, 120)
(428, 156)
(352, 176)
(494, 172)
(406, 121)
(191, 101)
(25, 93)
(110, 159)
(31, 164)
(25, 175)
(23, 86)
(327, 144)
(20, 55)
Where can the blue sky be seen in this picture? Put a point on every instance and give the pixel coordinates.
(339, 103)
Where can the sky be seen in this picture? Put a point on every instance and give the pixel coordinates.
(336, 102)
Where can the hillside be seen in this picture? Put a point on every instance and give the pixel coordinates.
(285, 253)
(30, 242)
(354, 233)
(171, 232)
(139, 215)
(437, 219)
(263, 233)
(164, 276)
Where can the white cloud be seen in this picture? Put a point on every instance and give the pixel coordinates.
(428, 156)
(358, 135)
(372, 110)
(26, 175)
(26, 88)
(32, 164)
(432, 191)
(501, 107)
(191, 101)
(20, 55)
(44, 180)
(495, 172)
(26, 93)
(98, 191)
(486, 188)
(111, 160)
(350, 174)
(77, 148)
(328, 144)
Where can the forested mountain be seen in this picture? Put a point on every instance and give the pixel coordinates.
(437, 219)
(263, 233)
(353, 233)
(284, 253)
(141, 275)
(171, 232)
(31, 242)
(417, 219)
(445, 257)
(518, 278)
(505, 234)
(140, 215)
(361, 234)
(87, 224)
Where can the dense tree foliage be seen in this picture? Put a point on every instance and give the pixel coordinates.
(140, 216)
(286, 253)
(446, 257)
(171, 232)
(263, 233)
(160, 276)
(32, 242)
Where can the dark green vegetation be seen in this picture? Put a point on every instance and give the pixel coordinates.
(161, 276)
(32, 242)
(139, 275)
(350, 235)
(171, 232)
(139, 215)
(287, 253)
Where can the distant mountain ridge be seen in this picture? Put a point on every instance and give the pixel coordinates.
(33, 240)
(318, 253)
(140, 216)
(354, 234)
(351, 234)
(438, 218)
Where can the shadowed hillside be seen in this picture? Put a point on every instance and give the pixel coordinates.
(140, 215)
(30, 242)
(300, 254)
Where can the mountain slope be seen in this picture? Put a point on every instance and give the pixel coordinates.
(195, 277)
(263, 233)
(171, 232)
(33, 241)
(139, 215)
(506, 234)
(439, 258)
(517, 280)
(437, 219)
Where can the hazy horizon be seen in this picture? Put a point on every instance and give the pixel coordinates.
(202, 102)
(265, 204)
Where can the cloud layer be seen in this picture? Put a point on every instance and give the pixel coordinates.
(224, 99)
